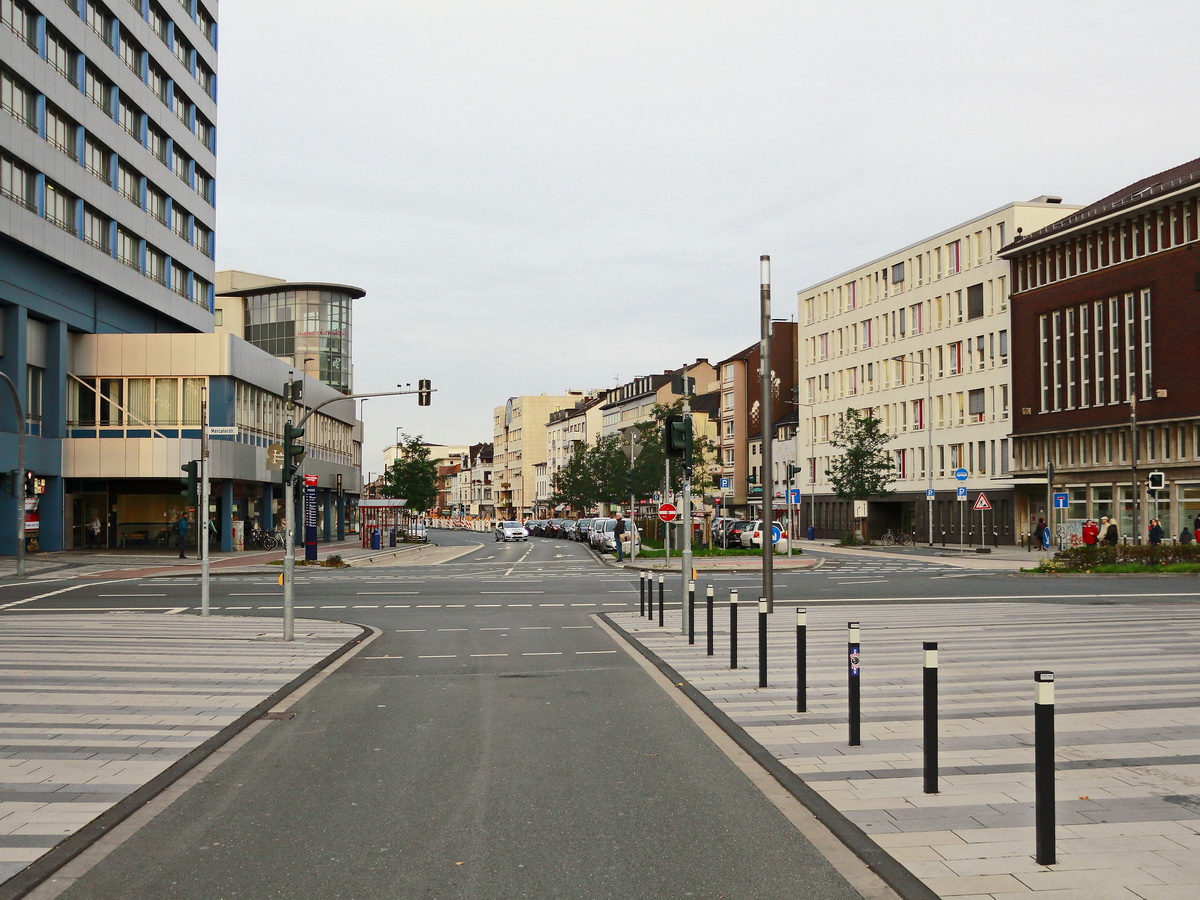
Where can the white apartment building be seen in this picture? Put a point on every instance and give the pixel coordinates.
(568, 429)
(921, 338)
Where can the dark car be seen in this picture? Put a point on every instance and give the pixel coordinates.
(583, 528)
(732, 536)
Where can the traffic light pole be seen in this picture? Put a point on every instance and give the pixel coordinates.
(768, 433)
(685, 557)
(289, 502)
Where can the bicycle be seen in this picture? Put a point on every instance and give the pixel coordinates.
(258, 539)
(895, 539)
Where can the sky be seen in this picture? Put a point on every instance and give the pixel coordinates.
(549, 195)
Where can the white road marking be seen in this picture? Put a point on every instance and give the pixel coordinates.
(132, 595)
(512, 592)
(386, 593)
(453, 629)
(592, 652)
(446, 656)
(410, 630)
(565, 627)
(478, 655)
(543, 653)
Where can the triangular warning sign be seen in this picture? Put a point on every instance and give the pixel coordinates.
(981, 502)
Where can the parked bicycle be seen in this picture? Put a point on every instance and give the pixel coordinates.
(258, 539)
(895, 539)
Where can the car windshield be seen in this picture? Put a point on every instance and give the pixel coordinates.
(512, 525)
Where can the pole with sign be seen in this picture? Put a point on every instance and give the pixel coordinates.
(983, 505)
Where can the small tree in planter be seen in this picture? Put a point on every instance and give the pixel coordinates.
(864, 469)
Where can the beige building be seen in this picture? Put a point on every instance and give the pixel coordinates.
(921, 338)
(569, 429)
(519, 446)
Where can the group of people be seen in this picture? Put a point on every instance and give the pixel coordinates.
(1105, 531)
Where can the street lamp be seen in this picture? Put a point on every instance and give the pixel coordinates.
(928, 425)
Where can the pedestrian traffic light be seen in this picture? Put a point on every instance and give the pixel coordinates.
(677, 436)
(1158, 481)
(293, 453)
(12, 482)
(30, 484)
(191, 482)
(423, 391)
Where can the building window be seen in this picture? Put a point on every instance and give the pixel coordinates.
(954, 258)
(60, 130)
(33, 394)
(97, 159)
(975, 404)
(975, 301)
(18, 99)
(127, 248)
(16, 181)
(61, 55)
(96, 229)
(156, 265)
(60, 207)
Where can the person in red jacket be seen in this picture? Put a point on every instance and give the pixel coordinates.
(1091, 533)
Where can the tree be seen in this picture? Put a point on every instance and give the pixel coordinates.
(651, 460)
(864, 468)
(412, 477)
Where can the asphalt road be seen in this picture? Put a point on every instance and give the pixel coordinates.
(493, 742)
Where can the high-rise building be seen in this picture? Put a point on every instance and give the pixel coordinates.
(107, 155)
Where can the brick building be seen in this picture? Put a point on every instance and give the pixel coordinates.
(1106, 311)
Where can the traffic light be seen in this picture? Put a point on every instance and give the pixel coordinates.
(752, 478)
(293, 453)
(191, 482)
(12, 482)
(792, 471)
(30, 484)
(629, 481)
(677, 436)
(423, 390)
(1158, 481)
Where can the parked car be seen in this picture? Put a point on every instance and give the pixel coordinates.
(583, 528)
(606, 541)
(732, 536)
(720, 525)
(755, 533)
(510, 531)
(554, 527)
(597, 531)
(536, 527)
(567, 532)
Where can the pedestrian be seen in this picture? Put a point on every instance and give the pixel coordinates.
(93, 531)
(1185, 536)
(1196, 527)
(181, 530)
(1110, 532)
(618, 535)
(1039, 533)
(1091, 533)
(1156, 532)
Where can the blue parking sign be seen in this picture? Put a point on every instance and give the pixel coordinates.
(724, 484)
(962, 492)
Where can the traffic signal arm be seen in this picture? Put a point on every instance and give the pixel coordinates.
(293, 452)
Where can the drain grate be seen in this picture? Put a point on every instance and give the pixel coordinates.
(278, 715)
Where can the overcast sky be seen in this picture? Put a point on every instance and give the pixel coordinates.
(546, 195)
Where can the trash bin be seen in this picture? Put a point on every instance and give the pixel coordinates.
(391, 537)
(374, 538)
(812, 533)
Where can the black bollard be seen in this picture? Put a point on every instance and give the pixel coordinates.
(801, 659)
(660, 601)
(762, 641)
(1043, 765)
(642, 593)
(930, 680)
(691, 612)
(709, 603)
(733, 604)
(854, 661)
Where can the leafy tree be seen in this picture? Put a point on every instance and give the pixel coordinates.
(864, 469)
(412, 477)
(651, 460)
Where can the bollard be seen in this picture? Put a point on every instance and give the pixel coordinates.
(733, 603)
(660, 601)
(642, 593)
(930, 680)
(801, 659)
(1043, 765)
(762, 641)
(691, 612)
(854, 661)
(709, 603)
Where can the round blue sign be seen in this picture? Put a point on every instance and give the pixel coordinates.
(1045, 538)
(776, 534)
(961, 474)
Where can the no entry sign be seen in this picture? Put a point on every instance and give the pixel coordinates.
(666, 512)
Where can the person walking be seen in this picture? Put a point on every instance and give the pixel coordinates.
(1156, 532)
(1185, 536)
(618, 534)
(93, 531)
(181, 530)
(1039, 533)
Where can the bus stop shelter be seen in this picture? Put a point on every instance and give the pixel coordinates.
(381, 522)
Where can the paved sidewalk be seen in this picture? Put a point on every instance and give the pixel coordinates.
(1128, 736)
(92, 707)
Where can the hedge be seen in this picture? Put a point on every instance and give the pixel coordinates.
(1141, 554)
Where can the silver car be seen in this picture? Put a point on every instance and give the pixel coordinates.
(510, 531)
